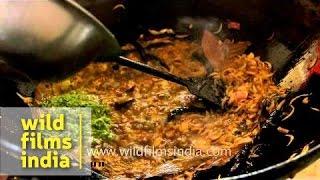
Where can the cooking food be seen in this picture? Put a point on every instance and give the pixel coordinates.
(139, 106)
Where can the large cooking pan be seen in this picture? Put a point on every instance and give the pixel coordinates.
(283, 32)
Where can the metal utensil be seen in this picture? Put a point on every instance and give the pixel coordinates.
(207, 88)
(50, 38)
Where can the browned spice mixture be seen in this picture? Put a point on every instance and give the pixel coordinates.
(143, 122)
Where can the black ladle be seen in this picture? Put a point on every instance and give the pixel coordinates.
(51, 39)
(207, 88)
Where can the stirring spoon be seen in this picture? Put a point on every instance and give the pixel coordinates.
(55, 49)
(207, 88)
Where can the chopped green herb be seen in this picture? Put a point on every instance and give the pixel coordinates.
(100, 116)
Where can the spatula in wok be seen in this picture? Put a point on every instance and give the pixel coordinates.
(49, 38)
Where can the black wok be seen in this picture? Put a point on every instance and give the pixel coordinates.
(282, 32)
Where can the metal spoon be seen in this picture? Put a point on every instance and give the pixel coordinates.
(47, 39)
(207, 88)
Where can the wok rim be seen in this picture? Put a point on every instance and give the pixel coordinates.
(313, 153)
